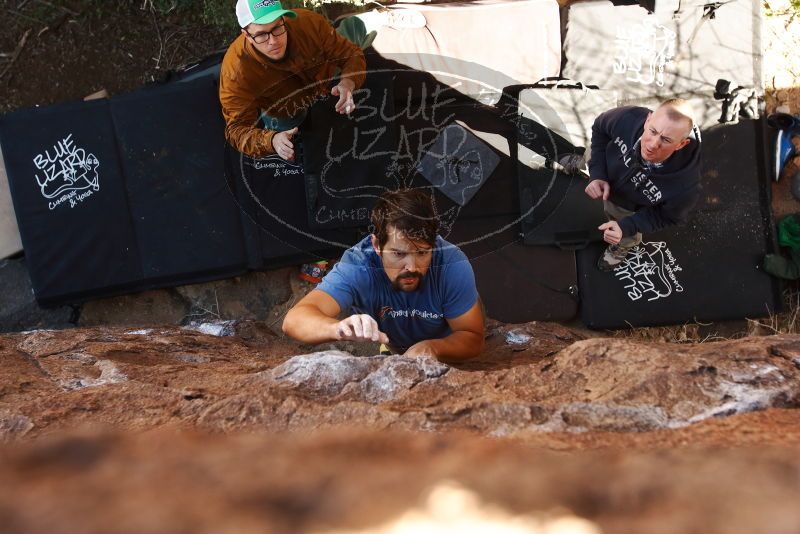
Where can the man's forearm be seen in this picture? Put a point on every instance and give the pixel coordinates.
(241, 121)
(354, 68)
(250, 139)
(461, 345)
(309, 325)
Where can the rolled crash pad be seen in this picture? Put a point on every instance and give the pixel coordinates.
(476, 47)
(666, 53)
(567, 109)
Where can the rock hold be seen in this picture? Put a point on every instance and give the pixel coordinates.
(371, 379)
(324, 373)
(613, 418)
(42, 343)
(741, 398)
(397, 374)
(13, 426)
(109, 374)
(514, 337)
(192, 358)
(233, 412)
(504, 418)
(213, 328)
(641, 387)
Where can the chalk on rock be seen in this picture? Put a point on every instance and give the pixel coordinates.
(372, 379)
(14, 426)
(396, 375)
(611, 417)
(213, 328)
(517, 338)
(324, 373)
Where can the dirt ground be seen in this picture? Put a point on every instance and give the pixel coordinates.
(67, 52)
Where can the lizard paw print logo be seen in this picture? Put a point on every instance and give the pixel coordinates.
(650, 272)
(66, 173)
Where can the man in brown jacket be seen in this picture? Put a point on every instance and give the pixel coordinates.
(281, 63)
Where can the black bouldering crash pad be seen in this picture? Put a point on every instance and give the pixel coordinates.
(709, 269)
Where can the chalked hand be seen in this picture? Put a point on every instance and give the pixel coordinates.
(360, 327)
(344, 90)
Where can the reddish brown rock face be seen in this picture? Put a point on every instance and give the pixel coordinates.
(371, 435)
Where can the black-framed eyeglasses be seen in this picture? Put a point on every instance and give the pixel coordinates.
(263, 37)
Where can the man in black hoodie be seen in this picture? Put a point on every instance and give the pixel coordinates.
(645, 165)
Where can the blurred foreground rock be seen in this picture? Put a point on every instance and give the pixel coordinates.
(374, 482)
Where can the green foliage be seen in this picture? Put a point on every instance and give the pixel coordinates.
(218, 13)
(222, 13)
(318, 5)
(793, 9)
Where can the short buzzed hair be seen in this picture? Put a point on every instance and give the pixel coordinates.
(678, 109)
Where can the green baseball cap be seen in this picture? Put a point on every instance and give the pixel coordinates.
(260, 12)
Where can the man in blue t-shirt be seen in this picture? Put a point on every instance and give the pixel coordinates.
(405, 285)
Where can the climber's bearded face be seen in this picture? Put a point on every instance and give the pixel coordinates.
(405, 261)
